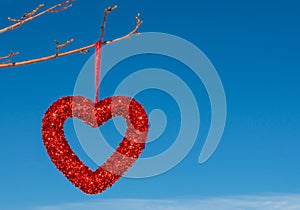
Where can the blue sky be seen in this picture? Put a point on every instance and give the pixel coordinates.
(254, 46)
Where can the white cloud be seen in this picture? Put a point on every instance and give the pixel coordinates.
(271, 202)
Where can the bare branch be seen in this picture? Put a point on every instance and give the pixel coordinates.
(32, 15)
(79, 50)
(59, 46)
(134, 31)
(63, 6)
(37, 60)
(106, 13)
(6, 59)
(11, 54)
(26, 15)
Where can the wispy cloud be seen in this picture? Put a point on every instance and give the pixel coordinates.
(272, 202)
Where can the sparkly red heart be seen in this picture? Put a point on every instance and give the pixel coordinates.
(128, 151)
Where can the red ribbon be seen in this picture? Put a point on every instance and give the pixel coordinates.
(97, 68)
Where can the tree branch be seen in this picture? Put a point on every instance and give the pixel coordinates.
(59, 46)
(82, 49)
(26, 15)
(11, 54)
(32, 15)
(106, 13)
(134, 31)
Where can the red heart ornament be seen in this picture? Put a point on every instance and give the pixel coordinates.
(95, 115)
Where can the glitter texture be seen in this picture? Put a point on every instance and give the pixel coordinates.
(95, 115)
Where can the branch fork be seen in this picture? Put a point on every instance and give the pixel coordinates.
(59, 46)
(26, 15)
(7, 57)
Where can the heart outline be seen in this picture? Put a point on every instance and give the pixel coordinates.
(95, 115)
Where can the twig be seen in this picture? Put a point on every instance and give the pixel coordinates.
(106, 13)
(26, 15)
(59, 46)
(32, 15)
(11, 54)
(65, 5)
(134, 31)
(79, 50)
